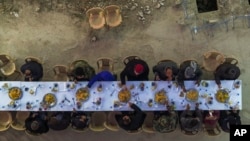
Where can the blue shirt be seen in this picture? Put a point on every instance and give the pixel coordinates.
(101, 76)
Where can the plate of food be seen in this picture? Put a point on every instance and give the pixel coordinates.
(49, 99)
(222, 96)
(124, 96)
(161, 97)
(82, 94)
(15, 93)
(192, 95)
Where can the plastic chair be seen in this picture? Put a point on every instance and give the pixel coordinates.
(83, 64)
(111, 122)
(7, 65)
(129, 58)
(231, 60)
(32, 134)
(165, 60)
(96, 17)
(135, 132)
(105, 64)
(113, 15)
(148, 123)
(19, 121)
(213, 132)
(97, 121)
(60, 73)
(32, 58)
(212, 59)
(5, 120)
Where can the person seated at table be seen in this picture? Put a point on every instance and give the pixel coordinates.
(166, 71)
(135, 70)
(189, 70)
(226, 71)
(131, 121)
(79, 120)
(32, 70)
(101, 76)
(165, 121)
(59, 120)
(229, 117)
(191, 121)
(37, 123)
(211, 119)
(79, 74)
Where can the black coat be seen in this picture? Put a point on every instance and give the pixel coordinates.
(181, 75)
(221, 72)
(137, 119)
(129, 71)
(43, 126)
(35, 68)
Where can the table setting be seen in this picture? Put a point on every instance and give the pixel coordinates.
(110, 96)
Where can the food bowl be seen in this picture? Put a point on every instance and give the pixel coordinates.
(49, 99)
(160, 97)
(124, 96)
(15, 93)
(192, 95)
(82, 94)
(222, 96)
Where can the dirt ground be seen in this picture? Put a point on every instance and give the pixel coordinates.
(57, 31)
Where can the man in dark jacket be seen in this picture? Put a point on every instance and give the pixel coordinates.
(79, 120)
(36, 123)
(131, 121)
(135, 70)
(189, 70)
(166, 71)
(32, 70)
(191, 121)
(59, 120)
(226, 71)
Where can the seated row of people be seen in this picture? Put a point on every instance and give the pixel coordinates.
(131, 121)
(138, 70)
(41, 122)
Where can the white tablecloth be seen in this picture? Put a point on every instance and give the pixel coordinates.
(66, 100)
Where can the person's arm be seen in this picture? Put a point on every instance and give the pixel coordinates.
(93, 80)
(180, 80)
(217, 78)
(122, 76)
(135, 107)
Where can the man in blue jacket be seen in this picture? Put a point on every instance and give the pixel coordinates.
(101, 76)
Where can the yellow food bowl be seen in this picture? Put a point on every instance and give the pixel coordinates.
(222, 96)
(160, 97)
(192, 95)
(50, 99)
(15, 93)
(124, 95)
(82, 94)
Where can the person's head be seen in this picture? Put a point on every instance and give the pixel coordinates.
(83, 118)
(138, 69)
(79, 72)
(34, 125)
(27, 72)
(190, 70)
(126, 120)
(233, 72)
(169, 72)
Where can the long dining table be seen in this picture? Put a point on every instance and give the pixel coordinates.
(106, 99)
